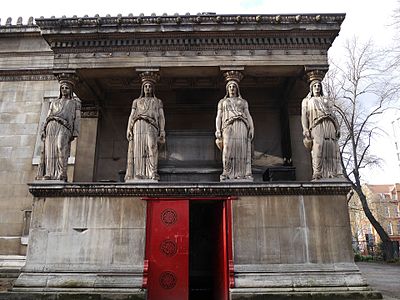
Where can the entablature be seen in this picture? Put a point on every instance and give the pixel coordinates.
(190, 32)
(43, 189)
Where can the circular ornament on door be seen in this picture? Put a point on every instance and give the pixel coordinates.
(169, 216)
(168, 247)
(167, 280)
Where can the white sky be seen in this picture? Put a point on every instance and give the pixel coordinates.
(367, 19)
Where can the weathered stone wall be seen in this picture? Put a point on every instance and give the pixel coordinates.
(84, 237)
(291, 229)
(87, 234)
(293, 241)
(24, 82)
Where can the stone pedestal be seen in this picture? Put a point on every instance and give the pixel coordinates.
(289, 239)
(294, 245)
(86, 245)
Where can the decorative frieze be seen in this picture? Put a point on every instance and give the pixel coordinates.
(89, 111)
(196, 42)
(27, 75)
(43, 189)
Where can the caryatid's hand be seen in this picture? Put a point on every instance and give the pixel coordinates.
(161, 138)
(129, 135)
(307, 134)
(251, 135)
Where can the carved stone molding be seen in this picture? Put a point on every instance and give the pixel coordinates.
(89, 111)
(205, 32)
(68, 76)
(315, 72)
(198, 41)
(200, 20)
(43, 189)
(27, 75)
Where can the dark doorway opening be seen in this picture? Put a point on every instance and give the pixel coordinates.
(207, 254)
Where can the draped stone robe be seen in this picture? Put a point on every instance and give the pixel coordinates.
(144, 127)
(324, 129)
(61, 127)
(236, 152)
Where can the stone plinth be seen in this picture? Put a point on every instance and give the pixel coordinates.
(85, 244)
(294, 245)
(289, 239)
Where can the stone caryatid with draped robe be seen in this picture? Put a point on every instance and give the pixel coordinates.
(145, 131)
(234, 131)
(321, 132)
(60, 129)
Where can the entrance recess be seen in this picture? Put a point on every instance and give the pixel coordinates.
(188, 248)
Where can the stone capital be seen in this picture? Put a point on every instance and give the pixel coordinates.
(316, 72)
(151, 76)
(233, 75)
(69, 77)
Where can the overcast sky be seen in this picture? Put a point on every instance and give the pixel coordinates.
(367, 19)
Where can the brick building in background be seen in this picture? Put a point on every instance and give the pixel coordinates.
(383, 201)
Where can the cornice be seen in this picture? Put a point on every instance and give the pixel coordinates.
(43, 189)
(19, 30)
(203, 32)
(221, 21)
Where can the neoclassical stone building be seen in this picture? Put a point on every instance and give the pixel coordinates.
(187, 235)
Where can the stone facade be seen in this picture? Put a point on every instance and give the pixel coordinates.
(88, 235)
(25, 81)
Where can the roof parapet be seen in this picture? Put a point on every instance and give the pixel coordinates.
(19, 22)
(201, 18)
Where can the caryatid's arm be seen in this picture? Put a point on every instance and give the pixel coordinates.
(304, 119)
(129, 130)
(161, 122)
(77, 119)
(250, 121)
(218, 122)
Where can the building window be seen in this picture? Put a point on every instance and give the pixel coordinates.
(390, 229)
(396, 211)
(398, 228)
(387, 212)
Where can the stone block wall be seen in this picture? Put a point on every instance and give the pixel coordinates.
(98, 242)
(25, 79)
(20, 109)
(291, 229)
(296, 242)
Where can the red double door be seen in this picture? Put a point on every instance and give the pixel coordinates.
(168, 248)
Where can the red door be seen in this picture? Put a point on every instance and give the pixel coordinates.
(167, 249)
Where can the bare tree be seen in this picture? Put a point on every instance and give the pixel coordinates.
(362, 91)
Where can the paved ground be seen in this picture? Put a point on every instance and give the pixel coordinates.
(384, 278)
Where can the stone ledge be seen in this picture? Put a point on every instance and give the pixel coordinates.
(29, 295)
(296, 268)
(186, 190)
(322, 294)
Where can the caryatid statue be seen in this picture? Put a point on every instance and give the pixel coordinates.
(60, 129)
(234, 131)
(320, 130)
(145, 131)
